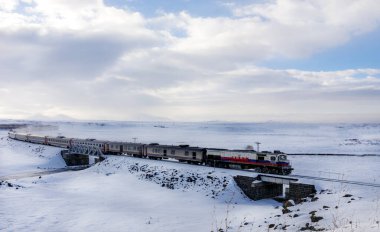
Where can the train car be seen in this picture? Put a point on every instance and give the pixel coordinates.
(266, 162)
(37, 139)
(59, 141)
(102, 144)
(21, 136)
(12, 134)
(134, 149)
(182, 153)
(115, 148)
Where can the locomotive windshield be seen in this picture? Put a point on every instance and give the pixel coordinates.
(282, 157)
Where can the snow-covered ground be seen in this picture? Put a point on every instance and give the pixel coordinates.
(132, 194)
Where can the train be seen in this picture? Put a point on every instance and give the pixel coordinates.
(275, 162)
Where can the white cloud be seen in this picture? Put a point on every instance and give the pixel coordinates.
(88, 60)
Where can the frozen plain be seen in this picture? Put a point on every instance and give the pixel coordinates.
(121, 194)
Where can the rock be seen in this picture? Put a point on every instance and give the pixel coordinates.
(288, 203)
(312, 228)
(314, 218)
(325, 207)
(312, 212)
(286, 210)
(271, 226)
(10, 185)
(314, 199)
(347, 195)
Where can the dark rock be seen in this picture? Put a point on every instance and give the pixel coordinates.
(271, 226)
(311, 228)
(295, 215)
(314, 218)
(326, 207)
(288, 203)
(312, 212)
(286, 210)
(347, 195)
(10, 185)
(314, 199)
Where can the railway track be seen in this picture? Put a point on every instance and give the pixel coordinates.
(376, 185)
(338, 180)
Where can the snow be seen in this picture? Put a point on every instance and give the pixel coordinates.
(132, 194)
(16, 156)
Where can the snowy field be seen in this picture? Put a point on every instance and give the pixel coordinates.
(132, 194)
(288, 137)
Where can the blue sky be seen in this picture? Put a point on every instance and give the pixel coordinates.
(279, 60)
(150, 8)
(360, 53)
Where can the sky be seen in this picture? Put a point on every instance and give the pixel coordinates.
(187, 60)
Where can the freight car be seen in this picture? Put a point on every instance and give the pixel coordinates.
(266, 162)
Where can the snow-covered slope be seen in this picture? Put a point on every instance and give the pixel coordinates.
(16, 156)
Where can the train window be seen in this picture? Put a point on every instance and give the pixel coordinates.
(260, 157)
(172, 152)
(282, 157)
(272, 158)
(186, 153)
(194, 155)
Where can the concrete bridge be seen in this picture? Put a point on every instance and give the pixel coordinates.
(270, 186)
(82, 155)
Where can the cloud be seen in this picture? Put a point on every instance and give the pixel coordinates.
(87, 60)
